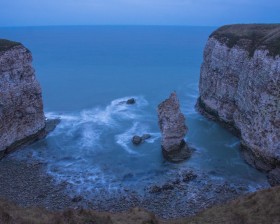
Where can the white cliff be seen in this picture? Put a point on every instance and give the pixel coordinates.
(22, 118)
(240, 87)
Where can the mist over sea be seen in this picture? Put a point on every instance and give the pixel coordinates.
(87, 72)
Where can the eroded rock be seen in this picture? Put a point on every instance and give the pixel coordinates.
(239, 87)
(22, 119)
(173, 128)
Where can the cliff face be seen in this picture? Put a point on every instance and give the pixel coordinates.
(173, 129)
(22, 118)
(240, 87)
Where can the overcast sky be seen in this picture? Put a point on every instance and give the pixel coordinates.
(138, 12)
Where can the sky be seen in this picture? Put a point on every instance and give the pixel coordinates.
(137, 12)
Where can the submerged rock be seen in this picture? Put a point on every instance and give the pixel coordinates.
(146, 136)
(131, 101)
(137, 140)
(173, 129)
(239, 87)
(22, 119)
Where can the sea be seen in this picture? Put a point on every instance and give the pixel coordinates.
(87, 72)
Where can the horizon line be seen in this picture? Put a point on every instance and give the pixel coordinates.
(111, 25)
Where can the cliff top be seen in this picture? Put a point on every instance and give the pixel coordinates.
(251, 37)
(7, 44)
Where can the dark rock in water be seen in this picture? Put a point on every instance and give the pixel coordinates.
(274, 177)
(146, 136)
(51, 125)
(173, 129)
(136, 140)
(131, 101)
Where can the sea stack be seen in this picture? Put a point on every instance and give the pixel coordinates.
(240, 88)
(22, 119)
(173, 128)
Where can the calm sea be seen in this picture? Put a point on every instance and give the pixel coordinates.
(85, 74)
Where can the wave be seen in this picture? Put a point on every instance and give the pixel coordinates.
(124, 139)
(91, 121)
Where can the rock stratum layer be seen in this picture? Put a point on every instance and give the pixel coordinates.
(22, 118)
(240, 87)
(173, 128)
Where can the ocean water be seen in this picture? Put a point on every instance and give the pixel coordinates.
(87, 72)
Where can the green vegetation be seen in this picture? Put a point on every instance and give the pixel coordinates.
(251, 37)
(261, 207)
(7, 44)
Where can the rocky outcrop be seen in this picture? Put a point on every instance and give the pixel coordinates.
(240, 87)
(22, 119)
(137, 140)
(131, 101)
(173, 128)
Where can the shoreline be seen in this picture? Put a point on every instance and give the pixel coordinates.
(27, 184)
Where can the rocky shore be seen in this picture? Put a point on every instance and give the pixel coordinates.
(185, 192)
(182, 194)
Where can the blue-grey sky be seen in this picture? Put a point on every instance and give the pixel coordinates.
(139, 12)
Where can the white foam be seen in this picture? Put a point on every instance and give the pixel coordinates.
(82, 131)
(90, 136)
(124, 139)
(154, 136)
(232, 145)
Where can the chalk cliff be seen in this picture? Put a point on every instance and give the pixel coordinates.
(240, 87)
(173, 129)
(22, 118)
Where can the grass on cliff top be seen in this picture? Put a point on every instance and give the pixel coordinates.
(251, 37)
(7, 44)
(262, 207)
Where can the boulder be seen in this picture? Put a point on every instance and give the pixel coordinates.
(131, 101)
(136, 140)
(173, 129)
